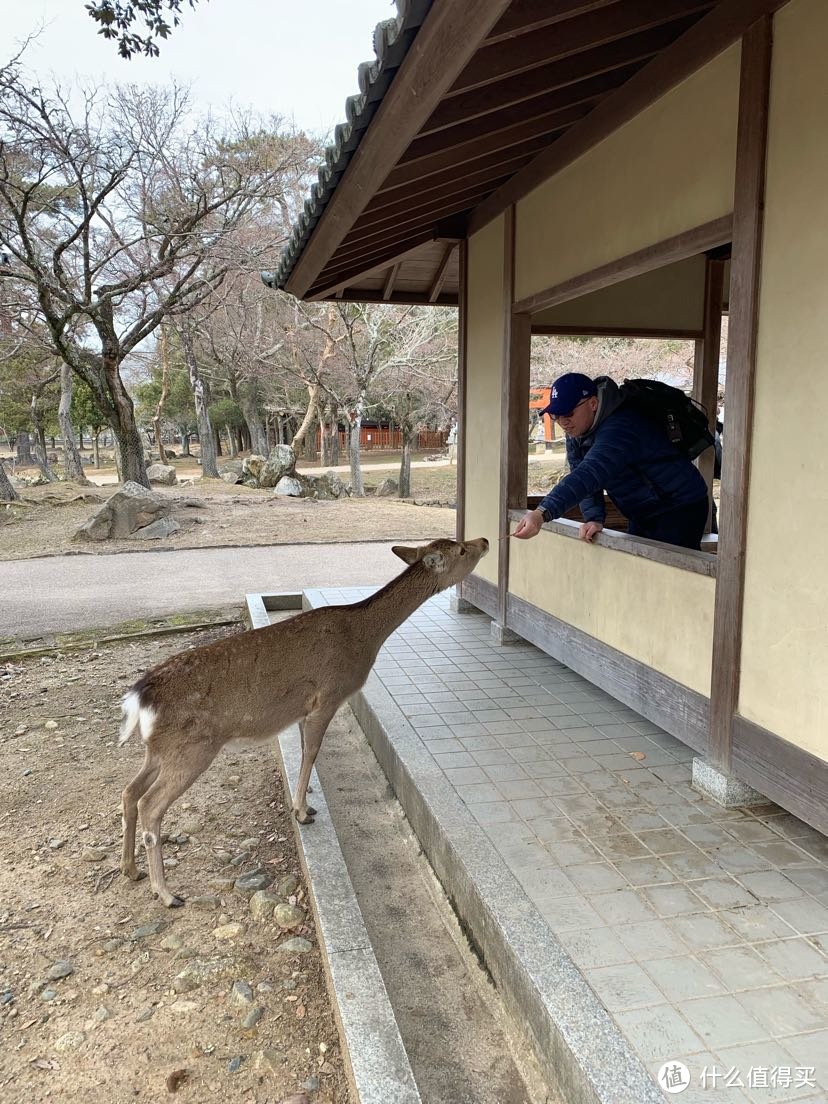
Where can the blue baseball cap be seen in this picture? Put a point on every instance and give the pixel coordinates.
(567, 391)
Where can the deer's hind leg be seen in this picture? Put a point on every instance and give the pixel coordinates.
(313, 728)
(129, 813)
(173, 779)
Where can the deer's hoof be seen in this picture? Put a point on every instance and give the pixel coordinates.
(133, 873)
(176, 902)
(311, 811)
(304, 817)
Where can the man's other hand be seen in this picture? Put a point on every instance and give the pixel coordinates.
(529, 525)
(590, 530)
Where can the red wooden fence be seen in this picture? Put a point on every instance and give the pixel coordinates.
(374, 437)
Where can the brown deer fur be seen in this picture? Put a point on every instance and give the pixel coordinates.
(252, 686)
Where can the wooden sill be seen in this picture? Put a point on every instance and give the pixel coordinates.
(702, 563)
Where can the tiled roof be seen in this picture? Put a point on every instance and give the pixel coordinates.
(392, 39)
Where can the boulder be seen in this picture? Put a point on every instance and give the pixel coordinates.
(252, 467)
(235, 466)
(131, 508)
(163, 474)
(289, 487)
(327, 486)
(387, 488)
(231, 477)
(281, 462)
(164, 527)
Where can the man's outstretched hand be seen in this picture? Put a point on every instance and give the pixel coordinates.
(529, 525)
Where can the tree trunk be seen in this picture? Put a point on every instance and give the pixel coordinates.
(7, 491)
(231, 442)
(185, 443)
(129, 447)
(405, 461)
(41, 459)
(72, 466)
(96, 448)
(309, 450)
(165, 390)
(23, 450)
(355, 422)
(255, 426)
(209, 453)
(309, 419)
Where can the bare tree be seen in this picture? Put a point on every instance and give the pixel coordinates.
(126, 212)
(73, 468)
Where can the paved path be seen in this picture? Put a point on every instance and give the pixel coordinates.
(64, 593)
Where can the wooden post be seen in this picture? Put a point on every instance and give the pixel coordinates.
(706, 363)
(514, 423)
(751, 151)
(462, 351)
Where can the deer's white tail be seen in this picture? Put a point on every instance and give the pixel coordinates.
(137, 718)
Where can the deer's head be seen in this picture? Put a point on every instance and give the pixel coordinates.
(446, 561)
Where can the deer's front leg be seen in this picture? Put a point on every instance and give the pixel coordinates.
(312, 729)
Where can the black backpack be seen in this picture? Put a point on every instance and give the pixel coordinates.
(683, 420)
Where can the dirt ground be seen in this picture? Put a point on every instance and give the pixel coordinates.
(105, 994)
(46, 519)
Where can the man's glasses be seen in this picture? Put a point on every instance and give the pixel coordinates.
(563, 417)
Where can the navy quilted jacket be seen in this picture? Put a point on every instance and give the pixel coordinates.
(629, 457)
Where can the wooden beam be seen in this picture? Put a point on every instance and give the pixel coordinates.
(745, 272)
(706, 365)
(506, 58)
(621, 55)
(525, 16)
(540, 329)
(462, 388)
(677, 248)
(446, 41)
(524, 139)
(429, 215)
(514, 448)
(379, 255)
(403, 298)
(702, 42)
(494, 165)
(388, 286)
(343, 279)
(498, 122)
(440, 274)
(406, 200)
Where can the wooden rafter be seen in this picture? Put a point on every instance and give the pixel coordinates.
(591, 63)
(423, 216)
(388, 286)
(505, 59)
(444, 166)
(440, 274)
(698, 45)
(525, 16)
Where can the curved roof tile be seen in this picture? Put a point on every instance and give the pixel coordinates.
(392, 39)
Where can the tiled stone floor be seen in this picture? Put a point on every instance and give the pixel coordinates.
(703, 931)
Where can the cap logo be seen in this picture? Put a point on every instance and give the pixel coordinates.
(554, 392)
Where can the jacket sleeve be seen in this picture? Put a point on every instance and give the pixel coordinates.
(585, 484)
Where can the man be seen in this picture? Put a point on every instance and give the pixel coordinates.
(612, 447)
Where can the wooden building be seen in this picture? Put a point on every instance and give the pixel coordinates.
(620, 167)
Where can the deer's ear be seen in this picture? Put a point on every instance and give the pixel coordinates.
(434, 561)
(407, 555)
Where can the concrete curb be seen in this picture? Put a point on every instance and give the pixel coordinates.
(379, 1065)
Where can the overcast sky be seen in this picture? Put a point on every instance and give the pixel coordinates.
(289, 57)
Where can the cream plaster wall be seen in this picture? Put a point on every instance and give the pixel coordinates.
(660, 615)
(483, 389)
(784, 680)
(668, 298)
(669, 169)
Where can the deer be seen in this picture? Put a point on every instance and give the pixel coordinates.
(249, 687)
